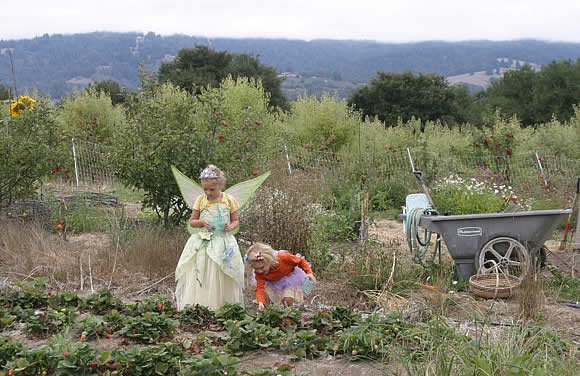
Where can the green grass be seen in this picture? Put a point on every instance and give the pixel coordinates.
(564, 287)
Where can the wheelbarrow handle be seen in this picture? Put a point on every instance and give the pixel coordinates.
(578, 186)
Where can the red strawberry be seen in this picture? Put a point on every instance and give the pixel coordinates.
(66, 355)
(107, 335)
(225, 123)
(221, 138)
(11, 372)
(257, 122)
(160, 306)
(92, 364)
(49, 293)
(255, 172)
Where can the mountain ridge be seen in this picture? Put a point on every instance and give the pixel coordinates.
(60, 64)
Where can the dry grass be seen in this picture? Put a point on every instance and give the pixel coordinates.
(90, 261)
(531, 296)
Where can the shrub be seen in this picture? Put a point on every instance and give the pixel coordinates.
(30, 145)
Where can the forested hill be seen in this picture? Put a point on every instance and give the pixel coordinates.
(57, 64)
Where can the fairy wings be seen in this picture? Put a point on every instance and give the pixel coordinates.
(242, 192)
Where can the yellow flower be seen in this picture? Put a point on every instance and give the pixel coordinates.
(23, 103)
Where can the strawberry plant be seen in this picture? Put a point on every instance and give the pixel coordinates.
(31, 294)
(212, 363)
(43, 323)
(65, 299)
(233, 312)
(149, 328)
(101, 302)
(247, 335)
(164, 359)
(91, 327)
(9, 348)
(6, 318)
(282, 370)
(329, 321)
(304, 344)
(31, 362)
(114, 320)
(159, 304)
(369, 339)
(276, 316)
(196, 317)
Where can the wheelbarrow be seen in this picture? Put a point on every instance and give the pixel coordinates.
(511, 240)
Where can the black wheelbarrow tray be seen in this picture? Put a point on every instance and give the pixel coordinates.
(511, 240)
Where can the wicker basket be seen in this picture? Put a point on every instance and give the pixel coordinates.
(494, 285)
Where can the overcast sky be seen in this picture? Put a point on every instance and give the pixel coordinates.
(381, 20)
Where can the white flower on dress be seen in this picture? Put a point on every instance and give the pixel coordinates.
(205, 235)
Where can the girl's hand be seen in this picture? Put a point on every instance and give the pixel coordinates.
(228, 227)
(311, 277)
(261, 307)
(206, 224)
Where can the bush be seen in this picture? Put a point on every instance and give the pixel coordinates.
(30, 152)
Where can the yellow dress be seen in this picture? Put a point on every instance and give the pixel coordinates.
(210, 271)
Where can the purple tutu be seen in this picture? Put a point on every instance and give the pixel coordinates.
(293, 280)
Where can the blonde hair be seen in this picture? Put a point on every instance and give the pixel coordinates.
(260, 252)
(211, 172)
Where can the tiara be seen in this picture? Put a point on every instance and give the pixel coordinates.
(208, 173)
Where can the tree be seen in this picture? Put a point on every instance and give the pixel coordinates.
(203, 67)
(4, 92)
(111, 88)
(229, 126)
(30, 151)
(535, 97)
(394, 96)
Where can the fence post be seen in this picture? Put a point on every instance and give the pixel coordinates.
(288, 160)
(75, 161)
(541, 170)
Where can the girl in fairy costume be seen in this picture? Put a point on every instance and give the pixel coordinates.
(210, 271)
(279, 274)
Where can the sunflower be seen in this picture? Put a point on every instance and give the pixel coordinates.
(23, 103)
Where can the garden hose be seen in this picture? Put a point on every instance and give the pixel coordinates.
(418, 247)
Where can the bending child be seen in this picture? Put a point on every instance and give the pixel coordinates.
(277, 275)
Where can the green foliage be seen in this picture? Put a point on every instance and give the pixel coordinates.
(228, 312)
(51, 321)
(91, 116)
(111, 89)
(562, 286)
(101, 302)
(164, 359)
(536, 97)
(247, 334)
(321, 124)
(277, 317)
(148, 328)
(456, 196)
(212, 363)
(30, 151)
(91, 327)
(9, 348)
(394, 96)
(201, 67)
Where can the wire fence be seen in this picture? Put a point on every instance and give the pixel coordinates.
(531, 173)
(92, 169)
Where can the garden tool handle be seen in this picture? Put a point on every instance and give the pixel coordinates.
(578, 186)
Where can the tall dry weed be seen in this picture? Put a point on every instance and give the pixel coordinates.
(531, 296)
(282, 211)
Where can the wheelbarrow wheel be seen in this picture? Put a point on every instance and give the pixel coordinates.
(509, 254)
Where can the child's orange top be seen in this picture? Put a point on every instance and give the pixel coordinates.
(286, 265)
